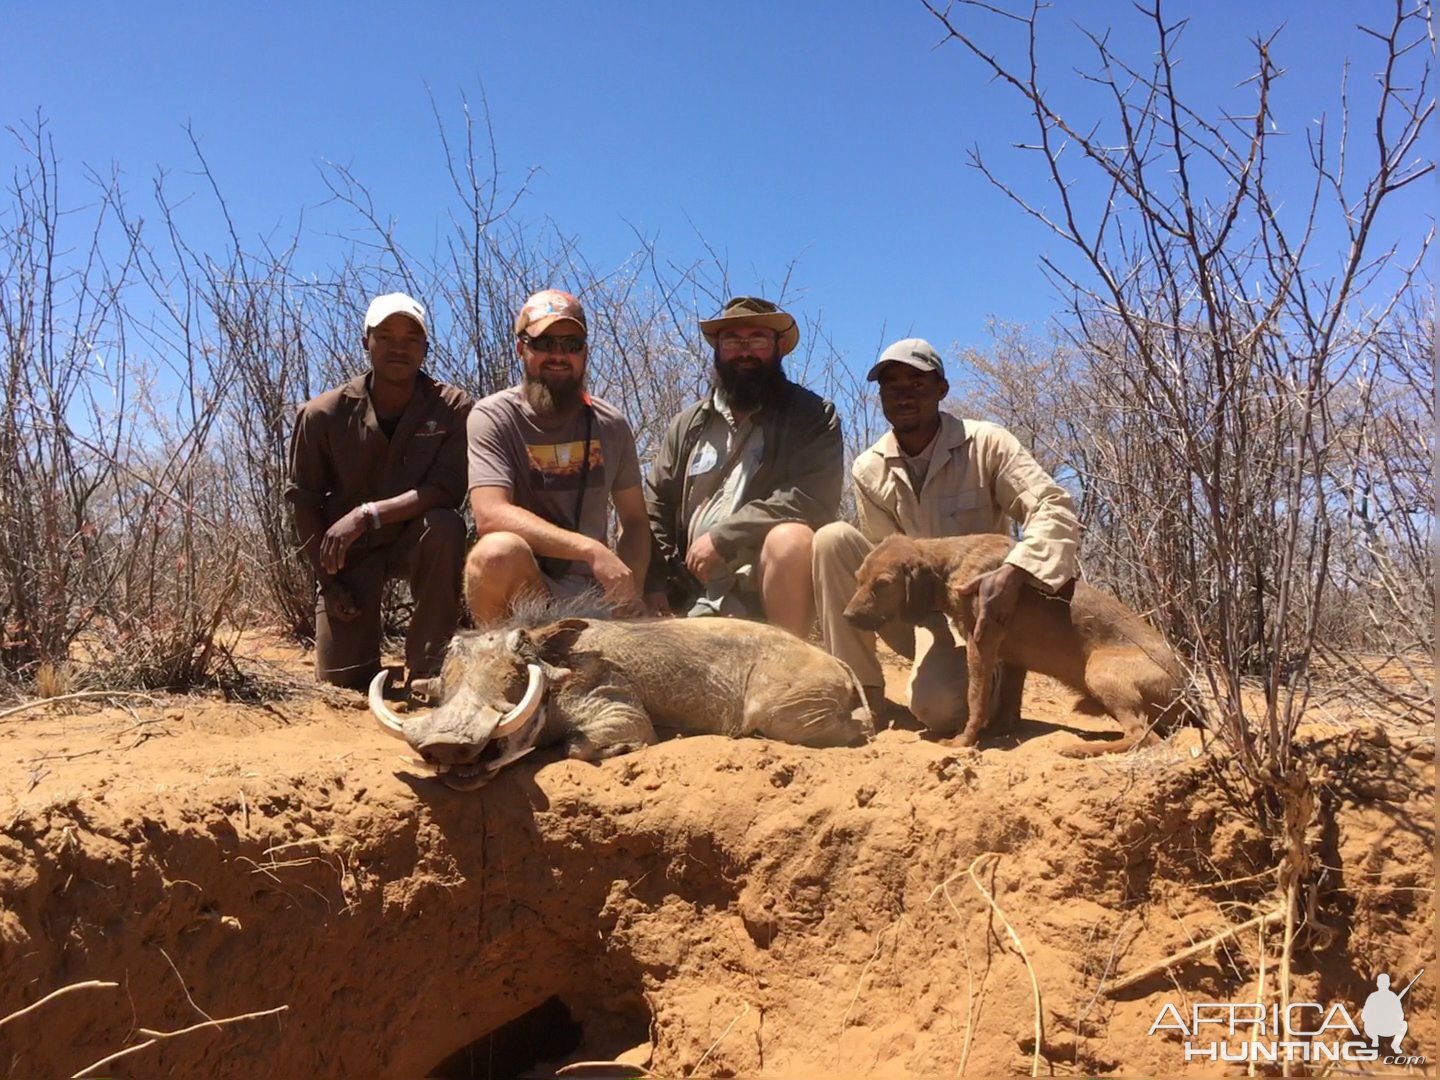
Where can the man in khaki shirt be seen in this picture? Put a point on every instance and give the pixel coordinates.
(377, 472)
(933, 475)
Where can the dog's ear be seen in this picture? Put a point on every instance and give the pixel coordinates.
(920, 598)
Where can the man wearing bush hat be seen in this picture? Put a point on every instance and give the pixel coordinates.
(377, 473)
(934, 474)
(743, 478)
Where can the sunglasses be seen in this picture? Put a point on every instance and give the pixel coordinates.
(571, 343)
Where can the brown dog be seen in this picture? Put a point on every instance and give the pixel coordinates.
(1089, 640)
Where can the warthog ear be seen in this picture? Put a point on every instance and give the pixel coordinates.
(920, 599)
(553, 643)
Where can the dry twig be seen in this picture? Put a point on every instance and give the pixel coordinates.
(152, 1037)
(91, 984)
(77, 695)
(1174, 960)
(744, 1008)
(859, 984)
(1020, 948)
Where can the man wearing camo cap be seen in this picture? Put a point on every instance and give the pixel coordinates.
(546, 460)
(934, 474)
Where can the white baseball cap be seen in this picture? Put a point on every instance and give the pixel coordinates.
(395, 303)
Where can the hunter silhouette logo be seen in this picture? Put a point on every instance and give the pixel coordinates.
(1300, 1031)
(1384, 1015)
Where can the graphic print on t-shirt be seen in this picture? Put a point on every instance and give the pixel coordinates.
(556, 466)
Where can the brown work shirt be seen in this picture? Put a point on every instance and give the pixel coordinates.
(979, 476)
(340, 457)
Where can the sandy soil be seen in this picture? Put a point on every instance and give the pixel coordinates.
(704, 907)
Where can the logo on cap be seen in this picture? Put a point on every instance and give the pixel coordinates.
(548, 306)
(912, 352)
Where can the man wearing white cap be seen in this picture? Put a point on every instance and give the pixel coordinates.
(546, 462)
(931, 475)
(377, 472)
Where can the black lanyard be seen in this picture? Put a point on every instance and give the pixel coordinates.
(584, 464)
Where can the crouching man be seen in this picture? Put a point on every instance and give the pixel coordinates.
(743, 479)
(933, 475)
(377, 473)
(546, 462)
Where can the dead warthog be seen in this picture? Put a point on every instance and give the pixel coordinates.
(602, 687)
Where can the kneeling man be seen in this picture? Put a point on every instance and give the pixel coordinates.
(377, 472)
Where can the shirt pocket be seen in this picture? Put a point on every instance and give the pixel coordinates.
(420, 454)
(963, 513)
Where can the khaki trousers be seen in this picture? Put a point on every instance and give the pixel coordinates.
(430, 553)
(938, 676)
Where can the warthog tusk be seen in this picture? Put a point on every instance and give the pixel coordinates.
(389, 722)
(429, 766)
(517, 717)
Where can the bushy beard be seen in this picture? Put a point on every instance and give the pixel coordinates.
(561, 395)
(747, 389)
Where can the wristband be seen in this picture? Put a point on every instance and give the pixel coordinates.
(371, 514)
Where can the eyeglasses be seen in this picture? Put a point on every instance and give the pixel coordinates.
(760, 342)
(547, 344)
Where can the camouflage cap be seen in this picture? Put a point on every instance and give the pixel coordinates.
(545, 309)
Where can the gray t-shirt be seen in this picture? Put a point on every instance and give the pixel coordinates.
(541, 467)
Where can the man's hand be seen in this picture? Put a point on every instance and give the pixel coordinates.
(339, 602)
(658, 605)
(614, 577)
(998, 591)
(339, 537)
(702, 559)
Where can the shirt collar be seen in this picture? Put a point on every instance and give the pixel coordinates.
(952, 433)
(359, 387)
(717, 400)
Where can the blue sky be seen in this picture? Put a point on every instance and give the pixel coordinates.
(831, 133)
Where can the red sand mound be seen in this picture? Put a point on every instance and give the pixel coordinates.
(704, 907)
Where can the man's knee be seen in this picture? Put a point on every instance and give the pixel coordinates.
(788, 544)
(498, 556)
(838, 541)
(939, 687)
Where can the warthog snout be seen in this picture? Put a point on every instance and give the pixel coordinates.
(467, 745)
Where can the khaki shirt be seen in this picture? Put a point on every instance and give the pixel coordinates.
(979, 476)
(340, 458)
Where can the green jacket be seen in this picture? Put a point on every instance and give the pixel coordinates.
(801, 473)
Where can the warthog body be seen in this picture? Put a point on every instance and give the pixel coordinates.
(603, 687)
